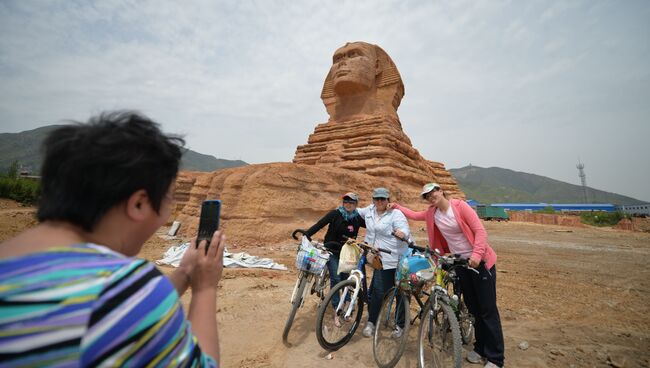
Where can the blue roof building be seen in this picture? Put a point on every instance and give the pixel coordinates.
(557, 206)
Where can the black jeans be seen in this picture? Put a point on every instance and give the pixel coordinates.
(480, 294)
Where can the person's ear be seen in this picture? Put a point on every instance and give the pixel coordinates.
(138, 205)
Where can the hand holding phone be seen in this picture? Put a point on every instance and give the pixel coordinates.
(209, 221)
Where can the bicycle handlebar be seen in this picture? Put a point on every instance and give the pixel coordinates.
(454, 261)
(315, 244)
(410, 243)
(324, 246)
(419, 249)
(380, 249)
(366, 246)
(293, 234)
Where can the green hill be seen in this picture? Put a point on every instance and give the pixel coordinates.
(195, 161)
(24, 147)
(497, 185)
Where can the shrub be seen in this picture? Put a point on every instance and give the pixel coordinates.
(25, 191)
(547, 209)
(601, 218)
(12, 172)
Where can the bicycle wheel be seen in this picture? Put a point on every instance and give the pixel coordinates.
(392, 329)
(439, 342)
(465, 322)
(330, 334)
(295, 304)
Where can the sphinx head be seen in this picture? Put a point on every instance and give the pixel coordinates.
(363, 80)
(354, 68)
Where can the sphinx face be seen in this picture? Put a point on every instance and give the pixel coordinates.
(354, 68)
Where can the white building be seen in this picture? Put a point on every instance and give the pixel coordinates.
(635, 209)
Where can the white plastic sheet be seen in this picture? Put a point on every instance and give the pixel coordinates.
(174, 254)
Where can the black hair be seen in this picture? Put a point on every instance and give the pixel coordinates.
(89, 168)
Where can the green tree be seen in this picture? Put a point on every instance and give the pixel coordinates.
(12, 173)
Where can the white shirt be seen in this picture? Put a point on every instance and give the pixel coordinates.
(451, 231)
(379, 230)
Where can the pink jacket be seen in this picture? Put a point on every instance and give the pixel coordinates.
(469, 223)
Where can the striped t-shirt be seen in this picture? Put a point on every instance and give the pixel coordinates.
(87, 306)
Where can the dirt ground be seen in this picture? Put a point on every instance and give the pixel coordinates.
(578, 296)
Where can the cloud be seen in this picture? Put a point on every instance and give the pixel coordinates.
(243, 79)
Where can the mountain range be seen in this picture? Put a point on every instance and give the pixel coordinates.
(498, 185)
(24, 148)
(485, 185)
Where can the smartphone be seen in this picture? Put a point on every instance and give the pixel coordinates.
(209, 222)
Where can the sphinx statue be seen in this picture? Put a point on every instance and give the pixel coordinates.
(362, 92)
(360, 147)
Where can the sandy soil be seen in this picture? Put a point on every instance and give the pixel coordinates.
(579, 297)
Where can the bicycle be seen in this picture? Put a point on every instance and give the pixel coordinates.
(311, 260)
(465, 318)
(392, 329)
(336, 326)
(439, 335)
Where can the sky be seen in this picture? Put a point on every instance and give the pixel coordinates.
(531, 86)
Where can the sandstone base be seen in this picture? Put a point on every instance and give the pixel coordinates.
(263, 203)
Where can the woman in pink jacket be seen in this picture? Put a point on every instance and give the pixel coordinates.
(454, 227)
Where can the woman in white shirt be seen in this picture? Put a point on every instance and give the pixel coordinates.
(381, 222)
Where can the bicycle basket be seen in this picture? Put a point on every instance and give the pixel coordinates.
(311, 260)
(413, 271)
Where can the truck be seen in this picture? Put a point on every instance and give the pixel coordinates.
(487, 212)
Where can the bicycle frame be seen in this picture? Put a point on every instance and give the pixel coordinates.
(311, 278)
(359, 281)
(439, 289)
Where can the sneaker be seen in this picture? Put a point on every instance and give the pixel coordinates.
(491, 365)
(337, 321)
(397, 332)
(474, 357)
(369, 330)
(344, 309)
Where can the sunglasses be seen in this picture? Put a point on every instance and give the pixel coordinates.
(380, 199)
(435, 189)
(349, 201)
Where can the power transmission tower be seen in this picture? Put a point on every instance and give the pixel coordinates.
(583, 178)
